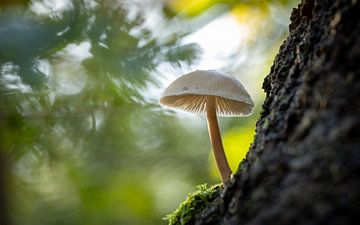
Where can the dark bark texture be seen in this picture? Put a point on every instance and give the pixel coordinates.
(304, 164)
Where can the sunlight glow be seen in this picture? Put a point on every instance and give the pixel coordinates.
(12, 80)
(69, 74)
(219, 40)
(50, 6)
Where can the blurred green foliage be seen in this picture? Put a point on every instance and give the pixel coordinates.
(82, 138)
(195, 7)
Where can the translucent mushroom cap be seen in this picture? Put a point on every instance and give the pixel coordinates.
(189, 92)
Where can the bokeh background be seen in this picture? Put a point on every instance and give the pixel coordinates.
(83, 139)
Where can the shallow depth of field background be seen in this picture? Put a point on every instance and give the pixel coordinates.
(81, 131)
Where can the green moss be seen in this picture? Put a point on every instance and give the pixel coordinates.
(194, 204)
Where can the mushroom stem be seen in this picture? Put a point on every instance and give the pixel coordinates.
(215, 139)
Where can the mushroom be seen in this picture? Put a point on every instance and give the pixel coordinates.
(212, 93)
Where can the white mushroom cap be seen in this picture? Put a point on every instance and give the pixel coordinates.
(188, 93)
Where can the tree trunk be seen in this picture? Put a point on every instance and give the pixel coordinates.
(304, 164)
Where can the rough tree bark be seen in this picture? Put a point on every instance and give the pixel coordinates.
(304, 164)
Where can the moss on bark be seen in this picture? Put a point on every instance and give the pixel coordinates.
(193, 205)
